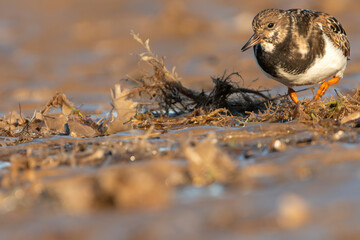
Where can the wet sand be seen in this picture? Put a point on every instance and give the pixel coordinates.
(293, 180)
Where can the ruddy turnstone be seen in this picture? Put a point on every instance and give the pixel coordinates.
(299, 47)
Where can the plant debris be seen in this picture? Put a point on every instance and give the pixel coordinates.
(160, 100)
(207, 163)
(125, 109)
(166, 92)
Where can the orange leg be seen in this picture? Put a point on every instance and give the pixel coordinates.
(324, 86)
(292, 95)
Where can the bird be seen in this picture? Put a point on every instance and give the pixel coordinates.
(299, 47)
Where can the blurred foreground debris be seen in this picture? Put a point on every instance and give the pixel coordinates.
(207, 163)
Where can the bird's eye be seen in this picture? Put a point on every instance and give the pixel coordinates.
(270, 25)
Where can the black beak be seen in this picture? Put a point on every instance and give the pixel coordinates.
(255, 39)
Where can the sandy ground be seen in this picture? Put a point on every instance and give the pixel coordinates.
(258, 181)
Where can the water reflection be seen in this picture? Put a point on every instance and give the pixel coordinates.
(4, 165)
(188, 194)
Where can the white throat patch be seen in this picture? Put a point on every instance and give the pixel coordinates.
(267, 47)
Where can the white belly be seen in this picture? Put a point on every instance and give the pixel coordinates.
(333, 63)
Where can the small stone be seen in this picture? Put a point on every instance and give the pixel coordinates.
(277, 146)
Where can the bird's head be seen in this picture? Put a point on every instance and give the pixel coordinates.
(269, 26)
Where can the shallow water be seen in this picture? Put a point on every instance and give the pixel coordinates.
(291, 180)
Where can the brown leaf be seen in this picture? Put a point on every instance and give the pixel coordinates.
(55, 121)
(79, 130)
(60, 100)
(125, 108)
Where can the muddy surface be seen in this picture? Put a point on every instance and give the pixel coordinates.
(88, 163)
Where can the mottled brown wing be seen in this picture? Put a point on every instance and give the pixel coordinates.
(333, 29)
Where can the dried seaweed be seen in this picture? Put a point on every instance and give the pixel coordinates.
(165, 103)
(167, 93)
(227, 103)
(329, 111)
